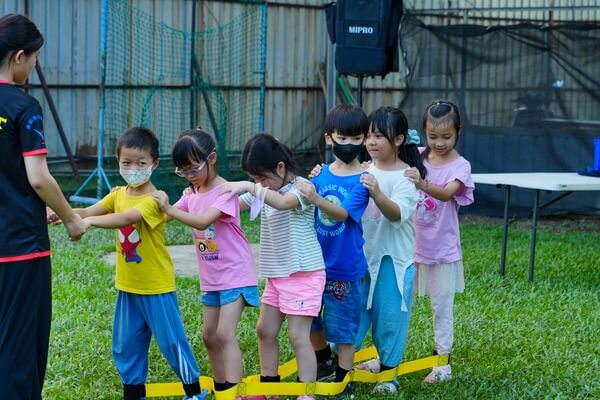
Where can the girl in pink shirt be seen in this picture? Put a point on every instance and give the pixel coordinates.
(226, 267)
(447, 186)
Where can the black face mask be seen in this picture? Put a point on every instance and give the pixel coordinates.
(346, 152)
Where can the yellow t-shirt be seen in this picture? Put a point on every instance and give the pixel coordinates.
(144, 265)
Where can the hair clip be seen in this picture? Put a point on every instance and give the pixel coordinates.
(413, 137)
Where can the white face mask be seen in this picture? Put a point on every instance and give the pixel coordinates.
(134, 177)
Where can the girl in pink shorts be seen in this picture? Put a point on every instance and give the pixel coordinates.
(290, 255)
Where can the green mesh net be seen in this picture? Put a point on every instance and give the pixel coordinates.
(170, 80)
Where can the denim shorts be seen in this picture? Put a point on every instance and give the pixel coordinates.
(340, 316)
(221, 297)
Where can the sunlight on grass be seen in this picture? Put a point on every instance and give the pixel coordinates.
(512, 340)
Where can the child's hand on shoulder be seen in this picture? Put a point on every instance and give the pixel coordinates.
(413, 175)
(315, 171)
(370, 183)
(307, 189)
(162, 198)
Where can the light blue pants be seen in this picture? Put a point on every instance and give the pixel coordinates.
(137, 318)
(389, 324)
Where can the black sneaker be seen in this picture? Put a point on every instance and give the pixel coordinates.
(325, 370)
(347, 394)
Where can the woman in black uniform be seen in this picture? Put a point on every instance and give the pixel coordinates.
(26, 186)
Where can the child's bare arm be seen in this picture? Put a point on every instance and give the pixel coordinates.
(435, 191)
(117, 220)
(200, 222)
(307, 189)
(275, 199)
(388, 208)
(90, 211)
(279, 201)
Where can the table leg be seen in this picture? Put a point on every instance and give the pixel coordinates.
(536, 199)
(505, 229)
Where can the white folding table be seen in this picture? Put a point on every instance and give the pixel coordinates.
(553, 182)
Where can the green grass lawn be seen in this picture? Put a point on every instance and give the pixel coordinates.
(513, 339)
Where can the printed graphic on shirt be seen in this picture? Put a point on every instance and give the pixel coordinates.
(36, 120)
(427, 210)
(3, 120)
(329, 227)
(206, 242)
(323, 217)
(129, 238)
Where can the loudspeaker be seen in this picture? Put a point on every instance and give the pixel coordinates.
(366, 35)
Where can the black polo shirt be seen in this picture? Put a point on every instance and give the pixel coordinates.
(23, 229)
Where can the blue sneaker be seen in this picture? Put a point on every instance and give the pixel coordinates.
(200, 396)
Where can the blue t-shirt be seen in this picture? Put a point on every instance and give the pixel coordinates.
(342, 242)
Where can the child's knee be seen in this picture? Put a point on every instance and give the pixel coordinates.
(266, 332)
(299, 339)
(226, 335)
(210, 338)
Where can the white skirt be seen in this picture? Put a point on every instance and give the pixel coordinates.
(441, 278)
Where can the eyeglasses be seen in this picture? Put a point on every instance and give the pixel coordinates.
(189, 172)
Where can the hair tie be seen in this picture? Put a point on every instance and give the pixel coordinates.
(412, 137)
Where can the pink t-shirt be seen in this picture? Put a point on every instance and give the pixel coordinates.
(225, 258)
(436, 221)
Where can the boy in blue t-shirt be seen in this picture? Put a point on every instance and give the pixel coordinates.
(340, 201)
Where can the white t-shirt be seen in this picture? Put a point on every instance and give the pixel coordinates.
(390, 238)
(288, 240)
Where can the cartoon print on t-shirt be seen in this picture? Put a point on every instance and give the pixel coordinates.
(325, 219)
(206, 242)
(129, 238)
(427, 209)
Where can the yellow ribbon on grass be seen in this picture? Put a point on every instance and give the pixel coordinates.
(251, 385)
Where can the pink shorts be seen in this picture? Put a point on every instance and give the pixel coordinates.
(297, 294)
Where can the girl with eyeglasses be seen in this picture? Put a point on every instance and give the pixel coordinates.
(447, 186)
(226, 266)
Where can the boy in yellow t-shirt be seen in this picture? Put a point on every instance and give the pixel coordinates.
(147, 301)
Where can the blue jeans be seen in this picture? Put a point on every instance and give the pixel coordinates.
(340, 315)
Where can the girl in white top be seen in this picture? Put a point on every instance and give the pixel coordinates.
(389, 239)
(290, 255)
